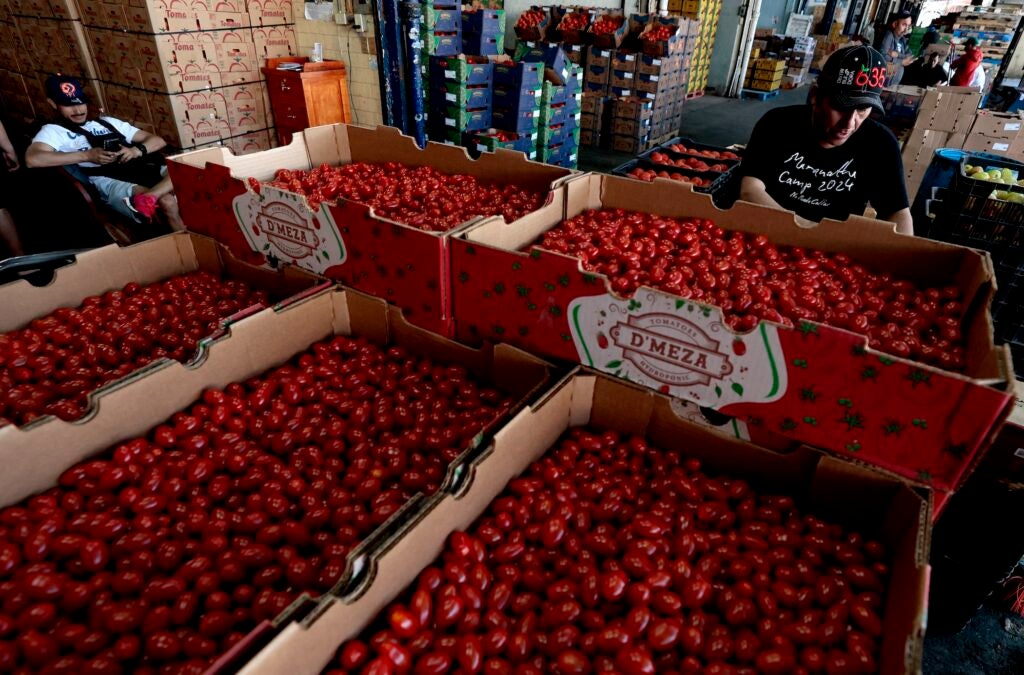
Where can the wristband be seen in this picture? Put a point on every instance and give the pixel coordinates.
(142, 147)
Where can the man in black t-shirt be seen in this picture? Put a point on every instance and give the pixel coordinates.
(826, 159)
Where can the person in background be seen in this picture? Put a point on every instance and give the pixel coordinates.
(930, 37)
(893, 46)
(927, 71)
(10, 244)
(969, 63)
(827, 159)
(119, 159)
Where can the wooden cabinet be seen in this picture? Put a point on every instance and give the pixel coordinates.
(315, 95)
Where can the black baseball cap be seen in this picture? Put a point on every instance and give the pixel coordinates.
(900, 16)
(853, 77)
(65, 90)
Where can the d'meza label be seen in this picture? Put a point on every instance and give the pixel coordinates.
(280, 224)
(678, 347)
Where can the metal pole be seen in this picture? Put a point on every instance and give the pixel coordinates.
(389, 61)
(417, 126)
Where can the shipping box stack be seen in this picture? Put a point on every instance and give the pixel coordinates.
(37, 39)
(442, 28)
(992, 29)
(595, 111)
(944, 119)
(706, 13)
(597, 71)
(191, 76)
(517, 92)
(632, 124)
(798, 62)
(764, 74)
(999, 133)
(483, 32)
(560, 122)
(461, 97)
(828, 44)
(663, 71)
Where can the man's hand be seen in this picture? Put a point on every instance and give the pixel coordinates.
(11, 159)
(101, 156)
(128, 153)
(907, 61)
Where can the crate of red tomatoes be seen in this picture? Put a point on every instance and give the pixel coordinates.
(366, 207)
(845, 336)
(687, 171)
(587, 540)
(219, 497)
(109, 317)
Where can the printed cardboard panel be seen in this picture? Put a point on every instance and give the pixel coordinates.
(347, 242)
(270, 12)
(905, 417)
(274, 42)
(835, 490)
(995, 125)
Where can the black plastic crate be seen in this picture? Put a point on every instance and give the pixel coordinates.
(717, 180)
(690, 143)
(965, 185)
(728, 163)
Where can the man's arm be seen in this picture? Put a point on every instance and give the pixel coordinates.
(904, 223)
(754, 190)
(10, 156)
(41, 156)
(152, 142)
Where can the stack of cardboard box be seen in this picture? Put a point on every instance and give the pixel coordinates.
(764, 74)
(442, 28)
(706, 13)
(483, 32)
(38, 38)
(517, 92)
(559, 124)
(191, 75)
(996, 132)
(461, 97)
(632, 124)
(944, 119)
(798, 62)
(594, 111)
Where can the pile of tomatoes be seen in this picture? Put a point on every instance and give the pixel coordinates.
(610, 555)
(710, 154)
(531, 18)
(166, 551)
(659, 33)
(608, 24)
(752, 279)
(650, 174)
(50, 366)
(574, 21)
(420, 196)
(691, 163)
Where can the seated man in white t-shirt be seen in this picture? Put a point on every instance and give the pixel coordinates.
(116, 157)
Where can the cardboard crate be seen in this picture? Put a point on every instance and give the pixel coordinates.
(261, 342)
(519, 76)
(520, 121)
(442, 44)
(600, 57)
(630, 144)
(608, 40)
(345, 242)
(834, 490)
(590, 138)
(455, 94)
(517, 100)
(95, 272)
(442, 20)
(943, 429)
(483, 45)
(484, 21)
(275, 42)
(622, 79)
(270, 12)
(950, 109)
(593, 74)
(462, 69)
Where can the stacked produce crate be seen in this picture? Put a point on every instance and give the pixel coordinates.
(632, 124)
(798, 62)
(663, 71)
(191, 76)
(38, 38)
(517, 95)
(706, 13)
(765, 75)
(592, 120)
(993, 30)
(442, 28)
(483, 32)
(461, 95)
(944, 118)
(558, 133)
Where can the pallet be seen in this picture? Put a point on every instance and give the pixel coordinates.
(694, 94)
(759, 95)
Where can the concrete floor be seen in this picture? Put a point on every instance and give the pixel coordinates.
(993, 642)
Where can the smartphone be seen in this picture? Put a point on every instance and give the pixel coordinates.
(111, 145)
